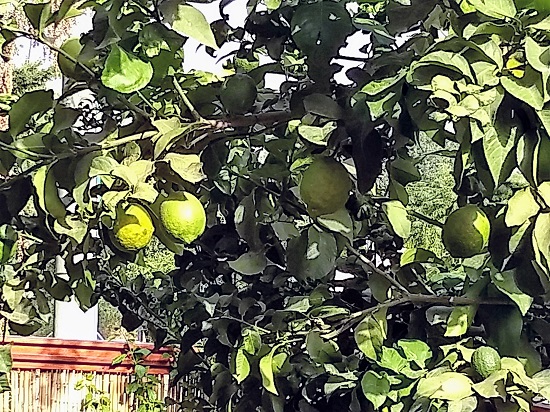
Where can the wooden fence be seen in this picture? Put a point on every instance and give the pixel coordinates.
(46, 372)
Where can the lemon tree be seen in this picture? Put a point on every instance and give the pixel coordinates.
(288, 196)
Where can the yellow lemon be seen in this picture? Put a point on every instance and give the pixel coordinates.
(183, 217)
(133, 227)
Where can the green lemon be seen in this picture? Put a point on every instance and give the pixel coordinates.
(325, 186)
(69, 68)
(133, 227)
(466, 232)
(485, 361)
(183, 217)
(238, 93)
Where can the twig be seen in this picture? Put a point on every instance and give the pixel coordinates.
(426, 218)
(25, 151)
(373, 267)
(196, 115)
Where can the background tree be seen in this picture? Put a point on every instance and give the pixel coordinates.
(254, 304)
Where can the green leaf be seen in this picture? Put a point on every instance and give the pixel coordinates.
(252, 341)
(187, 166)
(541, 239)
(312, 255)
(339, 222)
(498, 146)
(460, 320)
(321, 350)
(440, 58)
(494, 386)
(315, 134)
(451, 386)
(5, 358)
(375, 388)
(529, 88)
(242, 366)
(375, 87)
(415, 351)
(28, 105)
(391, 359)
(46, 190)
(418, 255)
(370, 334)
(398, 217)
(188, 21)
(249, 263)
(38, 14)
(521, 207)
(320, 28)
(322, 105)
(495, 8)
(505, 282)
(125, 72)
(266, 371)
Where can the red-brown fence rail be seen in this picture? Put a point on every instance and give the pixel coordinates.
(46, 372)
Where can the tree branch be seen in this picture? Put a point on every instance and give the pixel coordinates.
(374, 269)
(417, 300)
(425, 218)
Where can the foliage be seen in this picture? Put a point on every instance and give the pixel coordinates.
(95, 399)
(143, 385)
(257, 305)
(31, 76)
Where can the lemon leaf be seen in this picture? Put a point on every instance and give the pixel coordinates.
(125, 72)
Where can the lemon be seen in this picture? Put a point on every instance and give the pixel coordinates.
(69, 68)
(238, 93)
(485, 361)
(466, 232)
(183, 217)
(325, 186)
(133, 227)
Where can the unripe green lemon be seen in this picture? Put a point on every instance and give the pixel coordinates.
(485, 361)
(183, 217)
(238, 93)
(325, 186)
(133, 227)
(69, 68)
(466, 232)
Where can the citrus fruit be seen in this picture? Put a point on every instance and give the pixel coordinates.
(325, 186)
(69, 68)
(238, 93)
(485, 361)
(466, 232)
(133, 227)
(183, 217)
